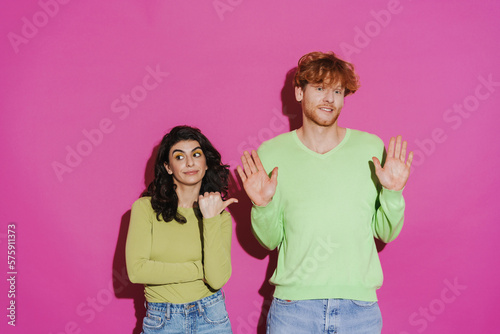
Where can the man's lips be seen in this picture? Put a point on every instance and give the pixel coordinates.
(327, 109)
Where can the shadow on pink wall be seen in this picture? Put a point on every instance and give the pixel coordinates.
(123, 288)
(289, 105)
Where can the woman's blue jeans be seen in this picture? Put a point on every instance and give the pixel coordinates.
(207, 315)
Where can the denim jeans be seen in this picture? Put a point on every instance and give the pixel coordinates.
(340, 316)
(207, 315)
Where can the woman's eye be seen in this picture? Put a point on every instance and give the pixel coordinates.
(179, 157)
(197, 154)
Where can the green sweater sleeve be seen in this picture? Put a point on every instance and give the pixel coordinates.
(388, 219)
(217, 249)
(140, 268)
(267, 223)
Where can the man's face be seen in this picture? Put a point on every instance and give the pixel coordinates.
(321, 104)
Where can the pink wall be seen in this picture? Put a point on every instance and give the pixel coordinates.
(428, 71)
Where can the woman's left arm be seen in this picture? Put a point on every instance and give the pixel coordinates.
(217, 233)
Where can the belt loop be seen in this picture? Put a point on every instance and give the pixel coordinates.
(200, 307)
(223, 294)
(168, 311)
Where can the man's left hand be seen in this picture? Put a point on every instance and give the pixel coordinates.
(395, 173)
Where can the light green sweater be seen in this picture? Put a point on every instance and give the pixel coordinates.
(326, 211)
(173, 259)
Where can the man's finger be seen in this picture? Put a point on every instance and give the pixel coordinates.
(256, 158)
(410, 159)
(397, 153)
(246, 165)
(250, 162)
(274, 175)
(242, 175)
(403, 151)
(390, 151)
(376, 162)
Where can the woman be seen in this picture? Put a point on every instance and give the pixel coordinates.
(179, 238)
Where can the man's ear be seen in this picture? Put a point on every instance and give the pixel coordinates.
(299, 94)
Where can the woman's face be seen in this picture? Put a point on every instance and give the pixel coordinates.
(187, 163)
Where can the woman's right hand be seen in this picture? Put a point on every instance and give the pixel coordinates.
(257, 184)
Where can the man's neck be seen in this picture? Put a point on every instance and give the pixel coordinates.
(321, 139)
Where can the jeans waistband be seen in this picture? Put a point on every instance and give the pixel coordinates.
(197, 305)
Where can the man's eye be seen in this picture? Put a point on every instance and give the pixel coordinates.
(319, 88)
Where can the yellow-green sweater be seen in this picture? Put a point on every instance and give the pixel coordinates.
(178, 263)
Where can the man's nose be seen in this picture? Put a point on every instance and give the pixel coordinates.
(329, 95)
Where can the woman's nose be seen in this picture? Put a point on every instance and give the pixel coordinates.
(189, 161)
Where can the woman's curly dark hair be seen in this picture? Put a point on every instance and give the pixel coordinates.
(164, 199)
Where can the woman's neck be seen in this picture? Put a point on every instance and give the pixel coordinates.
(187, 195)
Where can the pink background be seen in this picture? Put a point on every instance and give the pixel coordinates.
(66, 68)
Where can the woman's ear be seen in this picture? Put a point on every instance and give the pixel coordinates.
(167, 168)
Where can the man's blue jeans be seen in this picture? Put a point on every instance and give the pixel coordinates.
(340, 316)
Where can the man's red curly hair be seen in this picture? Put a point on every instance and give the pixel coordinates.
(326, 68)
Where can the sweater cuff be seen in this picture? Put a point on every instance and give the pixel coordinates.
(272, 205)
(213, 219)
(395, 193)
(393, 198)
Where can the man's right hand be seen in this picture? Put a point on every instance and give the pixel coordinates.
(258, 185)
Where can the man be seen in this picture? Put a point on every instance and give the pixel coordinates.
(330, 199)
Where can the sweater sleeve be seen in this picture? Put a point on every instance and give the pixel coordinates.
(267, 223)
(140, 268)
(388, 219)
(217, 233)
